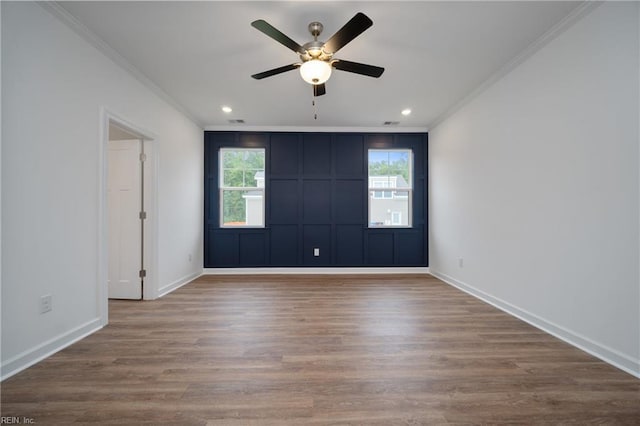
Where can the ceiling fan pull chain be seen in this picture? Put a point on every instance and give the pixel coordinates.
(315, 112)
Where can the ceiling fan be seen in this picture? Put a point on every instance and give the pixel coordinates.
(317, 57)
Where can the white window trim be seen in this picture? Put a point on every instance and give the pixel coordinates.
(222, 188)
(392, 189)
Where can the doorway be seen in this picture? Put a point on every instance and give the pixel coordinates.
(128, 232)
(125, 215)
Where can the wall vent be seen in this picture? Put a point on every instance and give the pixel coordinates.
(237, 121)
(391, 123)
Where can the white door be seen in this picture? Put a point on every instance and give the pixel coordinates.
(124, 206)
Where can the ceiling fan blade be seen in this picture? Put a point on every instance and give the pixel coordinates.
(275, 71)
(352, 29)
(277, 35)
(319, 89)
(358, 68)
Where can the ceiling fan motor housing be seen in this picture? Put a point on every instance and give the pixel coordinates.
(315, 51)
(314, 48)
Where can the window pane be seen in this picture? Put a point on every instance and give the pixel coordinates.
(378, 163)
(242, 208)
(254, 159)
(251, 178)
(385, 164)
(233, 208)
(242, 168)
(388, 212)
(231, 158)
(399, 165)
(233, 178)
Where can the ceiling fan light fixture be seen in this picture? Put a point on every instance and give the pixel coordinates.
(315, 71)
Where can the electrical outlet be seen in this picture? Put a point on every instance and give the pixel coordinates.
(460, 262)
(45, 303)
(316, 252)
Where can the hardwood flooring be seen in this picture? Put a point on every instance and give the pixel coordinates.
(313, 350)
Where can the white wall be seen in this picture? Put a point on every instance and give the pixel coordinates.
(1, 132)
(535, 185)
(54, 87)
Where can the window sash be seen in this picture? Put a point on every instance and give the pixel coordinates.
(375, 211)
(248, 173)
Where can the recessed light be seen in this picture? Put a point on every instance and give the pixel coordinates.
(226, 109)
(406, 111)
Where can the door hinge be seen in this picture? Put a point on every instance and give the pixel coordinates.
(143, 157)
(143, 273)
(143, 215)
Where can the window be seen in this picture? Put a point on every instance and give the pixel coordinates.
(241, 185)
(381, 183)
(396, 218)
(391, 169)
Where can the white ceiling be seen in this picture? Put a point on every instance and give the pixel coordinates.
(202, 55)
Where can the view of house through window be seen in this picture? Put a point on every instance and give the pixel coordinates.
(390, 187)
(241, 185)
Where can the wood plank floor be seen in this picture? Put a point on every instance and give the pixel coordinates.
(307, 350)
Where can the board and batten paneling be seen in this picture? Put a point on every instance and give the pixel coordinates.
(316, 198)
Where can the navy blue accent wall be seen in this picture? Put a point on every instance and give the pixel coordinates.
(316, 197)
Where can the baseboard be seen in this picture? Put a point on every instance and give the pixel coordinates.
(32, 356)
(606, 354)
(316, 271)
(163, 291)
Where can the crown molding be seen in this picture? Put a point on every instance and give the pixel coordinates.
(93, 39)
(567, 22)
(319, 129)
